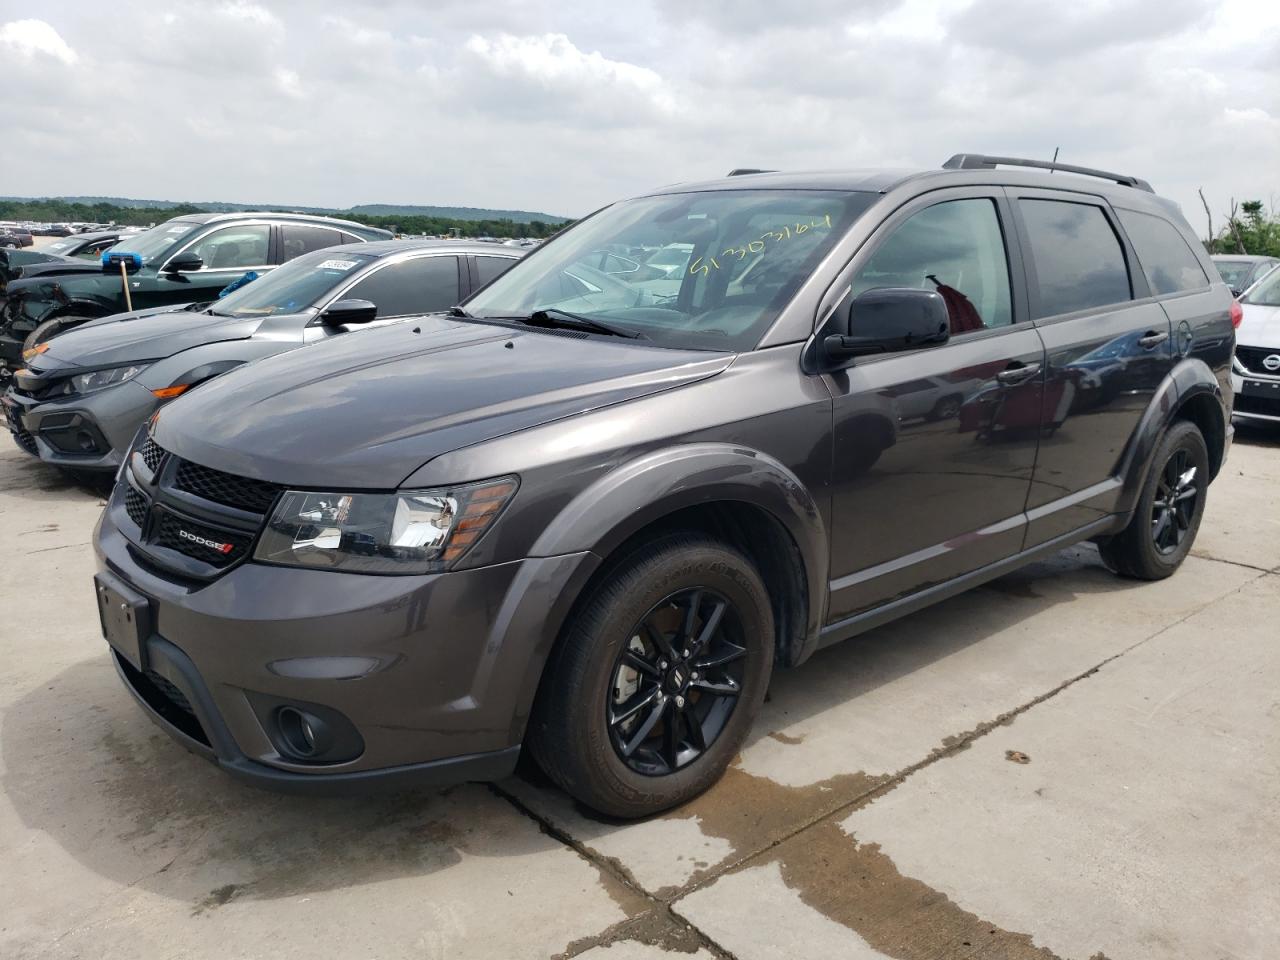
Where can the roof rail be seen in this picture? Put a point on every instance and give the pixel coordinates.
(978, 161)
(743, 171)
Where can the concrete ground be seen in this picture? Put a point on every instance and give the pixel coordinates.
(1061, 764)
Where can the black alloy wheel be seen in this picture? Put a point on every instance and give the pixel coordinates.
(1176, 502)
(676, 682)
(659, 671)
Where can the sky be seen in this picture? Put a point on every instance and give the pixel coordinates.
(563, 106)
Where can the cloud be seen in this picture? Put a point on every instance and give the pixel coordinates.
(564, 105)
(29, 38)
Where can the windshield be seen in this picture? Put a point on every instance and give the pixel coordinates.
(293, 287)
(157, 241)
(1266, 292)
(1235, 272)
(728, 262)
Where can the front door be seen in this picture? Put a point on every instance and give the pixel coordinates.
(934, 448)
(228, 254)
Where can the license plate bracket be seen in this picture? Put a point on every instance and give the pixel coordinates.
(125, 617)
(1262, 388)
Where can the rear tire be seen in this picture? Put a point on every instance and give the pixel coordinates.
(635, 714)
(1164, 523)
(51, 328)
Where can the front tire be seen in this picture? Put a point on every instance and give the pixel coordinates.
(50, 329)
(1165, 522)
(657, 678)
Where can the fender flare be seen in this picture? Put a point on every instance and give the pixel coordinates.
(1190, 378)
(650, 487)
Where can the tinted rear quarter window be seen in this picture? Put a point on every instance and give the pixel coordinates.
(1167, 261)
(411, 286)
(1079, 262)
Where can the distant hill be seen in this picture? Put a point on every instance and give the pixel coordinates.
(367, 209)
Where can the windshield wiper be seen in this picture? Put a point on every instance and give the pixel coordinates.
(553, 318)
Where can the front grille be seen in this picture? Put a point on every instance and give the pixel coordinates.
(152, 454)
(1264, 405)
(1251, 359)
(218, 548)
(243, 493)
(135, 505)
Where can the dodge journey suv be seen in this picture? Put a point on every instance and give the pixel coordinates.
(589, 516)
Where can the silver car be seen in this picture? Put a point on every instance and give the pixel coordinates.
(83, 396)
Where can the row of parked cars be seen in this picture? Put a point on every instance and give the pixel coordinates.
(392, 513)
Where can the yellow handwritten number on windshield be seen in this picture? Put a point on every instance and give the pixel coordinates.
(705, 265)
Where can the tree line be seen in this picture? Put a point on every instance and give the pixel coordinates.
(1250, 229)
(60, 211)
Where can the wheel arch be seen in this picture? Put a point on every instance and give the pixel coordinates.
(742, 496)
(1189, 392)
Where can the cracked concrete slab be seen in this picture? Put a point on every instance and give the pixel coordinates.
(861, 712)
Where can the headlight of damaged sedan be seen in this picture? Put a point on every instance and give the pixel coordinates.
(419, 531)
(101, 379)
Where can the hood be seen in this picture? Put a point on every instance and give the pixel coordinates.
(365, 410)
(60, 266)
(1260, 327)
(141, 335)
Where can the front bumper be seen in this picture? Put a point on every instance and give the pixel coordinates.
(1253, 408)
(436, 673)
(88, 433)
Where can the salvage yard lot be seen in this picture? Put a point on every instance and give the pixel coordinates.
(1060, 764)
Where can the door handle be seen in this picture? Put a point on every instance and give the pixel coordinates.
(1153, 338)
(1018, 374)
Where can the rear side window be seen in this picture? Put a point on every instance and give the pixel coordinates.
(1167, 261)
(489, 267)
(1078, 258)
(411, 286)
(297, 240)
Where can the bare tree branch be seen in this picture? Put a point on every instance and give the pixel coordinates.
(1235, 228)
(1209, 216)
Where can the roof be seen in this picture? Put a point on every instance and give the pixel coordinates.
(885, 180)
(273, 214)
(1239, 258)
(382, 248)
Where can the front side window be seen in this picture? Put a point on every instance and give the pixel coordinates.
(956, 248)
(234, 248)
(420, 285)
(713, 269)
(296, 286)
(1167, 261)
(1079, 262)
(487, 268)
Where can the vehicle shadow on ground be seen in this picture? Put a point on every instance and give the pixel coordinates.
(1257, 434)
(85, 766)
(31, 476)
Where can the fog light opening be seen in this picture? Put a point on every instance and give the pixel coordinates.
(86, 442)
(305, 735)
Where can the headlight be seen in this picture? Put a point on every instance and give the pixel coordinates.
(419, 531)
(99, 379)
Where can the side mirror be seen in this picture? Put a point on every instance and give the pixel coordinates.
(1235, 293)
(184, 263)
(889, 319)
(350, 311)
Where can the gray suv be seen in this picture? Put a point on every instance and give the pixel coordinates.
(589, 513)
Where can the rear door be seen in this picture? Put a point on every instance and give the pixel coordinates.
(1108, 345)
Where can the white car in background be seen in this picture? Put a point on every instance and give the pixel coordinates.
(1255, 371)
